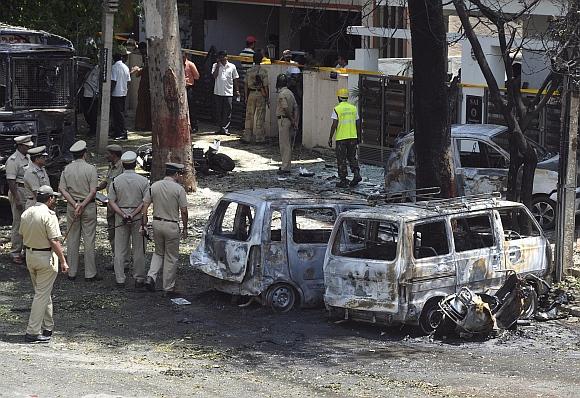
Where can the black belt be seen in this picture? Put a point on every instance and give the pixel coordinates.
(164, 219)
(45, 249)
(283, 117)
(20, 184)
(254, 89)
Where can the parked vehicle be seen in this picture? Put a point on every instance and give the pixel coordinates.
(37, 94)
(269, 244)
(481, 158)
(394, 263)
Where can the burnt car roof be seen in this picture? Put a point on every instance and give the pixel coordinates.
(407, 212)
(281, 194)
(44, 41)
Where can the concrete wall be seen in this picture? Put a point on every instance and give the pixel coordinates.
(319, 100)
(237, 21)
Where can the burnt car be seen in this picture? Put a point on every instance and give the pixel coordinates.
(37, 93)
(269, 244)
(395, 263)
(481, 158)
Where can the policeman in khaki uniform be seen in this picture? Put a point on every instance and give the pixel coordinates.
(169, 200)
(287, 115)
(41, 232)
(256, 94)
(126, 194)
(78, 185)
(15, 168)
(35, 175)
(115, 169)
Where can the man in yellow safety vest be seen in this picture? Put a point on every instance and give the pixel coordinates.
(345, 122)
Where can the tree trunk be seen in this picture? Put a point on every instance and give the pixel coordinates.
(434, 161)
(169, 114)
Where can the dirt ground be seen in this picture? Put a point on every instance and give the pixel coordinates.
(123, 343)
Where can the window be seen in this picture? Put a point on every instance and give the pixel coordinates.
(502, 139)
(430, 240)
(517, 224)
(312, 225)
(472, 232)
(478, 154)
(367, 239)
(411, 156)
(276, 226)
(234, 220)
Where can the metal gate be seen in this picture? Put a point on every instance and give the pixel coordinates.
(385, 112)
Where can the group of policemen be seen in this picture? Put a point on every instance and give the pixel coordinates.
(36, 234)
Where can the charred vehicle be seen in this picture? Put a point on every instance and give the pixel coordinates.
(395, 263)
(269, 244)
(481, 158)
(37, 93)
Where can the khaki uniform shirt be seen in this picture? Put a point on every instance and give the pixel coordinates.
(286, 105)
(34, 178)
(251, 74)
(128, 190)
(114, 171)
(16, 165)
(78, 178)
(168, 197)
(39, 224)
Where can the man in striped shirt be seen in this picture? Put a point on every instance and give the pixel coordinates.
(248, 51)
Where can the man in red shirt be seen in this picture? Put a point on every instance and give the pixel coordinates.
(191, 75)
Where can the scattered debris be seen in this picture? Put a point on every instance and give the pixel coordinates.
(180, 301)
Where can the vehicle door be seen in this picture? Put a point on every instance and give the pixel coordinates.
(478, 251)
(233, 233)
(433, 267)
(481, 167)
(274, 261)
(308, 228)
(525, 247)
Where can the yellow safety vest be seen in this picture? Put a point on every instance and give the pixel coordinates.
(346, 128)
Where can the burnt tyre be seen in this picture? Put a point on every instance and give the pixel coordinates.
(431, 316)
(221, 163)
(281, 297)
(544, 211)
(530, 305)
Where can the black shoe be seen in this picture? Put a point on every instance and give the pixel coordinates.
(95, 278)
(342, 184)
(139, 285)
(150, 284)
(172, 294)
(47, 333)
(71, 278)
(30, 338)
(356, 179)
(120, 285)
(283, 172)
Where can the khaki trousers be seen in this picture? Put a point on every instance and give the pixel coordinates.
(129, 241)
(86, 224)
(15, 237)
(43, 268)
(285, 140)
(255, 107)
(166, 238)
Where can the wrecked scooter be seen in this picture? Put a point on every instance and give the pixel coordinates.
(482, 314)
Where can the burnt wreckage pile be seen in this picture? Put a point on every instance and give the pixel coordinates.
(422, 263)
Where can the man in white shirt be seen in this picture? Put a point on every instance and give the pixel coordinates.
(226, 85)
(120, 76)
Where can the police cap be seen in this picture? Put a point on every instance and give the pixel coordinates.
(114, 148)
(38, 151)
(46, 190)
(129, 157)
(24, 140)
(78, 146)
(174, 167)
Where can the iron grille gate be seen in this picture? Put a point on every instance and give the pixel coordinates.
(385, 112)
(41, 82)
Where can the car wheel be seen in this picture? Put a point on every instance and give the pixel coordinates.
(544, 211)
(281, 297)
(431, 316)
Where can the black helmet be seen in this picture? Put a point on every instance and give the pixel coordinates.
(281, 81)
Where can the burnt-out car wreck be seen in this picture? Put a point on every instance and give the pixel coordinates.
(395, 263)
(37, 93)
(269, 245)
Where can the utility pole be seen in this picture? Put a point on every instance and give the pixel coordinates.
(169, 113)
(565, 225)
(110, 7)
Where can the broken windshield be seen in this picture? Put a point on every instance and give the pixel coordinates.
(369, 239)
(502, 139)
